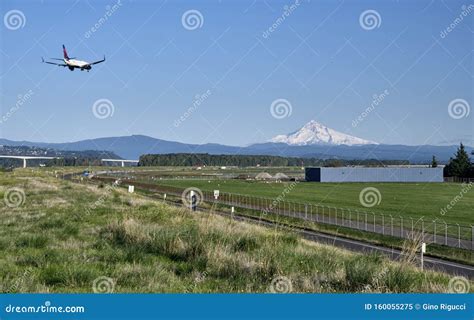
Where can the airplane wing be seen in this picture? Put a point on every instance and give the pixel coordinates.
(96, 62)
(56, 64)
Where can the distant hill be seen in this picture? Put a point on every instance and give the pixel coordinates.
(129, 147)
(132, 147)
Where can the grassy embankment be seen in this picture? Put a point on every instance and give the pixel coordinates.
(64, 236)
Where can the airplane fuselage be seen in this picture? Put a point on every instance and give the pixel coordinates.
(73, 63)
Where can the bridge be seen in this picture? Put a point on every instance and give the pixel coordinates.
(122, 161)
(24, 158)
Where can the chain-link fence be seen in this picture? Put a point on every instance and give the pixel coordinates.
(429, 231)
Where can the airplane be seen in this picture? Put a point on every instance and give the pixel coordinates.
(72, 63)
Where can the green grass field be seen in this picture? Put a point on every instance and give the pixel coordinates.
(64, 237)
(411, 200)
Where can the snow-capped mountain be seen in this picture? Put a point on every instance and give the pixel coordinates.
(316, 133)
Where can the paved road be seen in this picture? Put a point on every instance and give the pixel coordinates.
(355, 245)
(391, 226)
(405, 233)
(359, 246)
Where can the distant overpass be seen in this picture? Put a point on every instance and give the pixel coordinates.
(24, 158)
(122, 161)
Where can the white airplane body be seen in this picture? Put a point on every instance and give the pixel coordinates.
(73, 63)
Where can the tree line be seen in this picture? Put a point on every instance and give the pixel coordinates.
(205, 159)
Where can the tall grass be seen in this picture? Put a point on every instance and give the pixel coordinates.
(147, 246)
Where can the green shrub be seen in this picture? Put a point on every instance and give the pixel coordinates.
(361, 271)
(32, 241)
(400, 279)
(246, 243)
(53, 275)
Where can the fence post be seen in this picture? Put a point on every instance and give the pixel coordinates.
(445, 234)
(422, 230)
(459, 235)
(374, 222)
(402, 235)
(366, 221)
(391, 225)
(434, 230)
(358, 219)
(306, 212)
(383, 224)
(472, 237)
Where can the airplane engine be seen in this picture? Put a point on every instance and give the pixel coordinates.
(71, 68)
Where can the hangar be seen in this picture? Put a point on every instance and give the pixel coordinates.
(366, 174)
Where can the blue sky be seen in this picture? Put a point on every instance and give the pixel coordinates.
(322, 58)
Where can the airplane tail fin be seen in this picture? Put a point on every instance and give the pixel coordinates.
(65, 53)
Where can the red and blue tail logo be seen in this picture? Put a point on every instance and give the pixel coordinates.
(65, 53)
